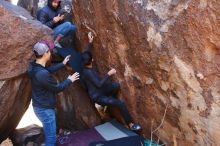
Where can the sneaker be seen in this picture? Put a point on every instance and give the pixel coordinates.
(66, 133)
(135, 127)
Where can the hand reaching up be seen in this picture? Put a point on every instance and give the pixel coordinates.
(66, 59)
(112, 72)
(91, 37)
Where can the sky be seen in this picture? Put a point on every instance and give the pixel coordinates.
(14, 2)
(29, 118)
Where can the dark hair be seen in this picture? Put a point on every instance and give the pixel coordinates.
(49, 4)
(37, 55)
(87, 58)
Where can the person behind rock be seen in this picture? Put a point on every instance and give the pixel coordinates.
(99, 90)
(53, 16)
(45, 88)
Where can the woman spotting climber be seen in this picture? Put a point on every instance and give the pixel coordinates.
(100, 90)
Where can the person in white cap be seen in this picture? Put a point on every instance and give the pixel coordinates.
(45, 88)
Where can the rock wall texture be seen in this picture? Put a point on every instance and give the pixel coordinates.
(14, 100)
(167, 54)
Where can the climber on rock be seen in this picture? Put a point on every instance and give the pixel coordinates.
(100, 90)
(45, 88)
(53, 16)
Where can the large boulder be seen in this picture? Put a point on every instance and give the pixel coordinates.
(19, 32)
(32, 134)
(166, 54)
(14, 100)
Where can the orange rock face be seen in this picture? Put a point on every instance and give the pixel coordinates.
(166, 53)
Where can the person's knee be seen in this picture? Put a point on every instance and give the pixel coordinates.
(70, 26)
(67, 24)
(73, 28)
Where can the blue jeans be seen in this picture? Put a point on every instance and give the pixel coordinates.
(64, 29)
(47, 118)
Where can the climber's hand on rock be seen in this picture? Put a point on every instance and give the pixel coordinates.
(112, 72)
(66, 59)
(91, 37)
(74, 77)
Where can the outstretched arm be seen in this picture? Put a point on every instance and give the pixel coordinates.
(50, 83)
(90, 75)
(58, 66)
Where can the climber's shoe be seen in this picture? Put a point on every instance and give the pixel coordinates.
(135, 127)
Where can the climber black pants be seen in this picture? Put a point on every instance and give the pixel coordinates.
(107, 98)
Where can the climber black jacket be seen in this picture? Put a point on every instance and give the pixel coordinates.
(93, 82)
(90, 78)
(44, 86)
(47, 13)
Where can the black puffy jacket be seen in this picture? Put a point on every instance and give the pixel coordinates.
(47, 13)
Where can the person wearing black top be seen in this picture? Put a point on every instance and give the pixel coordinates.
(45, 88)
(100, 91)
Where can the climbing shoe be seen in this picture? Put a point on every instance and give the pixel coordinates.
(135, 127)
